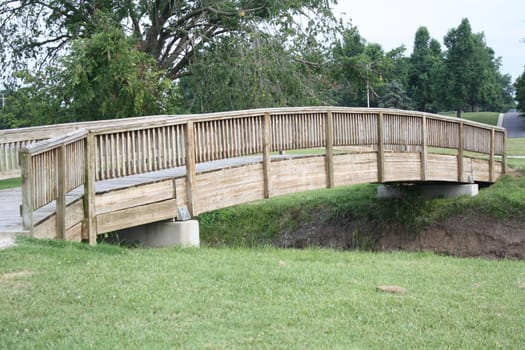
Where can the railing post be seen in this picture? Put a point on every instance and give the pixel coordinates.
(190, 166)
(61, 193)
(492, 151)
(504, 156)
(460, 152)
(380, 149)
(329, 151)
(424, 151)
(89, 188)
(26, 166)
(267, 161)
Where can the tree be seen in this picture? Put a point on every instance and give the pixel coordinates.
(102, 77)
(458, 67)
(396, 97)
(170, 31)
(470, 75)
(424, 65)
(520, 92)
(252, 72)
(260, 70)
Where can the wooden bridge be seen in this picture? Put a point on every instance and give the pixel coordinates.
(84, 179)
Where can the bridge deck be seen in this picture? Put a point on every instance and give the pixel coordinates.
(11, 199)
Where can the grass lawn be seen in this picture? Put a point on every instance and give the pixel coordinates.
(490, 118)
(516, 147)
(61, 296)
(10, 183)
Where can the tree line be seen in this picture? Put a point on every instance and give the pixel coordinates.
(74, 60)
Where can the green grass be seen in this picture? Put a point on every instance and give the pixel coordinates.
(490, 118)
(57, 295)
(516, 147)
(10, 183)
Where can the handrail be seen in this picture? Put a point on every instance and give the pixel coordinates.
(123, 147)
(50, 169)
(13, 140)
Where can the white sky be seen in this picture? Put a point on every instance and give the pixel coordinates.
(392, 23)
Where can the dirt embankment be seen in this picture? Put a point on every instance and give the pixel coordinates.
(464, 236)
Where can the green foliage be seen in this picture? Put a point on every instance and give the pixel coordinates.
(470, 77)
(102, 77)
(425, 63)
(65, 296)
(255, 71)
(395, 97)
(169, 31)
(520, 92)
(106, 77)
(10, 183)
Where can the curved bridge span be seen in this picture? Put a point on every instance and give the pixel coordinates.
(104, 176)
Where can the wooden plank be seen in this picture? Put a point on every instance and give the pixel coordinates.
(329, 150)
(424, 149)
(10, 174)
(442, 167)
(27, 191)
(380, 149)
(46, 145)
(190, 167)
(227, 187)
(46, 229)
(267, 146)
(145, 214)
(504, 156)
(491, 159)
(134, 196)
(61, 193)
(356, 168)
(89, 189)
(180, 192)
(74, 233)
(460, 153)
(297, 175)
(402, 166)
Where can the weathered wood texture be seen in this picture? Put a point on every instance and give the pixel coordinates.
(385, 145)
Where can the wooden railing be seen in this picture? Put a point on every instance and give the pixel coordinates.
(13, 140)
(120, 148)
(50, 169)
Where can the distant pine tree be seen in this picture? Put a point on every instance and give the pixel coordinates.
(396, 97)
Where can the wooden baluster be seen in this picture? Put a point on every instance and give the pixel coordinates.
(26, 165)
(460, 152)
(424, 150)
(190, 167)
(492, 151)
(89, 190)
(329, 150)
(380, 149)
(61, 193)
(267, 140)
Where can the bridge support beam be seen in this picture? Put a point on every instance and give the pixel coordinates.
(429, 191)
(163, 234)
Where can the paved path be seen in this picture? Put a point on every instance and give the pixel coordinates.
(515, 125)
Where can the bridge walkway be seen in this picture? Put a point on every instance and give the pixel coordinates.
(11, 199)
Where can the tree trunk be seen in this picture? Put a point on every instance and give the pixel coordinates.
(458, 112)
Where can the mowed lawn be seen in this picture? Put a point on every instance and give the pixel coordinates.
(58, 295)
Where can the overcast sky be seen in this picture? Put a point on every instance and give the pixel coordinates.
(392, 23)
